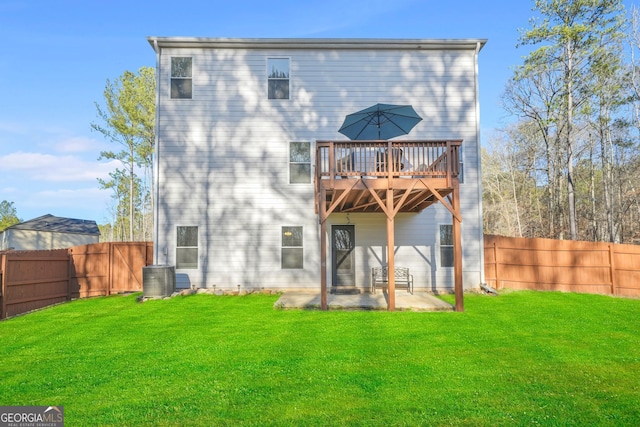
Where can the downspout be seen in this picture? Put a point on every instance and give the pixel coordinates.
(156, 161)
(479, 154)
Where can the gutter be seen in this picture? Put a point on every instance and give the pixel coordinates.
(315, 43)
(479, 154)
(156, 160)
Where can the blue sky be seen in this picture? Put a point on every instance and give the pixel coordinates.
(56, 56)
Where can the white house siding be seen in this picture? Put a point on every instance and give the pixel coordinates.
(223, 160)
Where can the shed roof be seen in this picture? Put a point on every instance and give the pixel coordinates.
(59, 225)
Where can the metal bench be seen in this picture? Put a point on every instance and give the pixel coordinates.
(380, 278)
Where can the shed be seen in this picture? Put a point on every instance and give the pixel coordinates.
(49, 232)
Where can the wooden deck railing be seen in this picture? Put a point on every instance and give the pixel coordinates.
(379, 159)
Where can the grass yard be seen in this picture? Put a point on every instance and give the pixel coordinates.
(521, 358)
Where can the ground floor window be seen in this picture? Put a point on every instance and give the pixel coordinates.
(187, 247)
(446, 245)
(292, 249)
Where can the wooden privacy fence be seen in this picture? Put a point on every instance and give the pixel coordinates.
(562, 265)
(35, 279)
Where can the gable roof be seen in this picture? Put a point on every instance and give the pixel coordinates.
(59, 225)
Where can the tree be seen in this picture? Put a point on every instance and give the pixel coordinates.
(8, 215)
(570, 32)
(534, 97)
(511, 194)
(609, 95)
(128, 119)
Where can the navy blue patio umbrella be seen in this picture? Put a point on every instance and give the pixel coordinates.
(380, 121)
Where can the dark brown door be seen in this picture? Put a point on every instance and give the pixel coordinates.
(342, 244)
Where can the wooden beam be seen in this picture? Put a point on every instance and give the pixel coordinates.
(332, 165)
(403, 199)
(362, 207)
(389, 168)
(327, 211)
(418, 199)
(384, 207)
(391, 283)
(358, 200)
(441, 199)
(457, 250)
(323, 252)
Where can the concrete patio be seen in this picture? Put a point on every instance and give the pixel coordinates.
(419, 301)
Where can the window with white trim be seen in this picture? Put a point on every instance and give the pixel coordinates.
(292, 248)
(446, 245)
(181, 77)
(187, 247)
(299, 163)
(278, 78)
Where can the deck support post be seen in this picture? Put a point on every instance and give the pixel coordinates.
(391, 284)
(323, 249)
(323, 265)
(457, 248)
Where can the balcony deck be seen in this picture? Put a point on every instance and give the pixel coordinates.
(355, 176)
(388, 177)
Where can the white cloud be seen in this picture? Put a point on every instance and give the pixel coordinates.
(77, 145)
(53, 168)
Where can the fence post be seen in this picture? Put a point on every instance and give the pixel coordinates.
(3, 288)
(612, 270)
(69, 272)
(110, 277)
(495, 258)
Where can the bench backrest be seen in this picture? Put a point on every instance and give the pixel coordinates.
(399, 273)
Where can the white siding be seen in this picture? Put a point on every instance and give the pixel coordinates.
(223, 160)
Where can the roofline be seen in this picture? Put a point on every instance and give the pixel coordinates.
(315, 43)
(98, 233)
(31, 225)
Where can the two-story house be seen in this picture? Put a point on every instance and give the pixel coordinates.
(256, 188)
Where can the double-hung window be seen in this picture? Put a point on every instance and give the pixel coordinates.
(278, 78)
(446, 245)
(299, 162)
(187, 247)
(181, 77)
(292, 249)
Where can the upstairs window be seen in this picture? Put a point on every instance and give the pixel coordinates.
(278, 78)
(181, 78)
(187, 247)
(299, 163)
(446, 245)
(292, 249)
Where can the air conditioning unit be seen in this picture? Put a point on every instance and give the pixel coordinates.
(158, 280)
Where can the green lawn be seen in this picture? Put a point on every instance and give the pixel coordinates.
(521, 358)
